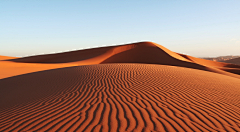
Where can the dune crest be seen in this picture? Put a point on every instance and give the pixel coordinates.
(135, 87)
(142, 52)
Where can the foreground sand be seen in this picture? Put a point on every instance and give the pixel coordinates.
(182, 93)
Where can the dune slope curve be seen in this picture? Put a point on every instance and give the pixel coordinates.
(142, 52)
(120, 97)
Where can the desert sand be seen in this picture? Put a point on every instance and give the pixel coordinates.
(234, 61)
(6, 57)
(135, 87)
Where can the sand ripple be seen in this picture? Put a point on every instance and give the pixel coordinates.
(120, 97)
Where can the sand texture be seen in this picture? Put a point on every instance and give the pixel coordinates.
(135, 87)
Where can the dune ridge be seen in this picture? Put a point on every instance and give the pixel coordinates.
(142, 52)
(234, 61)
(121, 97)
(135, 87)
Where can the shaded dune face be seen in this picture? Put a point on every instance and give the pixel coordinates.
(209, 62)
(66, 57)
(234, 61)
(120, 97)
(135, 87)
(142, 52)
(231, 68)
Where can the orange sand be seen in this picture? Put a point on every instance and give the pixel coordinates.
(135, 87)
(6, 57)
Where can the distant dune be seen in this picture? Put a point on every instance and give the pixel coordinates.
(221, 58)
(134, 87)
(234, 61)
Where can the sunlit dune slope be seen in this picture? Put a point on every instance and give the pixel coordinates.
(234, 61)
(120, 97)
(142, 52)
(135, 87)
(6, 57)
(9, 69)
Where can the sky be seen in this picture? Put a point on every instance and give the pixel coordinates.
(205, 28)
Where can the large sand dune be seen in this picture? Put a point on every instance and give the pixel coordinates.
(142, 52)
(135, 87)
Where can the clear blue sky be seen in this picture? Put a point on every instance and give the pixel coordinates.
(198, 28)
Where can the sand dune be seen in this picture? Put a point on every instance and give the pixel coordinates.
(209, 63)
(135, 87)
(217, 66)
(120, 97)
(6, 57)
(9, 69)
(234, 61)
(142, 52)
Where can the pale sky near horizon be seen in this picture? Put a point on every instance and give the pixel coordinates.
(203, 28)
